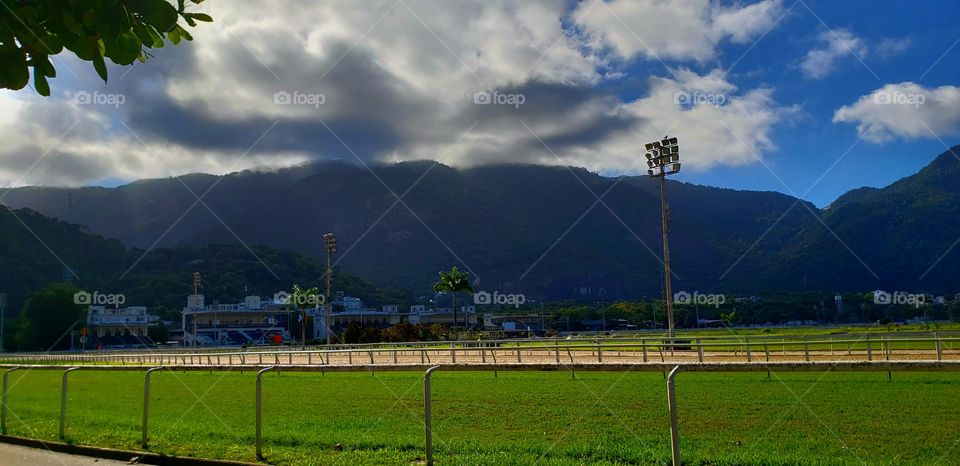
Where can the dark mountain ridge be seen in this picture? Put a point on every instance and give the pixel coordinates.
(541, 230)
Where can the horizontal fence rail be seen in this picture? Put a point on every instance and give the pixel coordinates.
(429, 370)
(866, 347)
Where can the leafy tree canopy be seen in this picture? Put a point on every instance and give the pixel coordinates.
(48, 316)
(31, 31)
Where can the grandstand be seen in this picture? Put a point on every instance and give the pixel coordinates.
(251, 322)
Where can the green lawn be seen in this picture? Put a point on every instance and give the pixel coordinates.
(517, 418)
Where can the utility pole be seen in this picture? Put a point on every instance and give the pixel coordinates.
(330, 243)
(196, 292)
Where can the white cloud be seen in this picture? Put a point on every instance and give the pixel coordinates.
(890, 47)
(398, 80)
(65, 143)
(837, 44)
(673, 29)
(906, 110)
(735, 132)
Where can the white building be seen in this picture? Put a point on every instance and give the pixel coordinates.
(128, 321)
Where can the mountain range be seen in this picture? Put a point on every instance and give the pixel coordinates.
(546, 231)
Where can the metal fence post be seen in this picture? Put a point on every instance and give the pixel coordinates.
(146, 402)
(746, 345)
(939, 347)
(428, 423)
(259, 411)
(63, 401)
(674, 423)
(3, 402)
(643, 344)
(699, 350)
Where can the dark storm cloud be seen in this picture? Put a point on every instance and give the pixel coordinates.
(361, 104)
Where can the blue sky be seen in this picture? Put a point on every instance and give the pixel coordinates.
(810, 146)
(797, 91)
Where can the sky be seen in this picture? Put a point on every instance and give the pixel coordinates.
(809, 98)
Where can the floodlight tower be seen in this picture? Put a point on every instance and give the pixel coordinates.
(196, 291)
(663, 158)
(330, 244)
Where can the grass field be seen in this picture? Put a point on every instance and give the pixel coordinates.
(516, 418)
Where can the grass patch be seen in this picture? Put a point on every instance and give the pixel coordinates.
(542, 418)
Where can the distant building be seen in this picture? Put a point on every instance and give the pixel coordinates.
(419, 314)
(507, 326)
(606, 325)
(253, 321)
(119, 327)
(349, 310)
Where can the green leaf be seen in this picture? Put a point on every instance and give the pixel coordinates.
(100, 66)
(42, 63)
(124, 50)
(174, 36)
(84, 47)
(13, 74)
(70, 22)
(201, 17)
(51, 44)
(157, 38)
(40, 83)
(142, 33)
(183, 33)
(157, 13)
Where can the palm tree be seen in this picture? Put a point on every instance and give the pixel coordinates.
(301, 298)
(454, 282)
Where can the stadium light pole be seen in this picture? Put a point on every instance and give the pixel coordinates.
(663, 158)
(330, 243)
(196, 291)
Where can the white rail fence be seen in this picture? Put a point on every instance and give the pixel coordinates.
(865, 347)
(430, 370)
